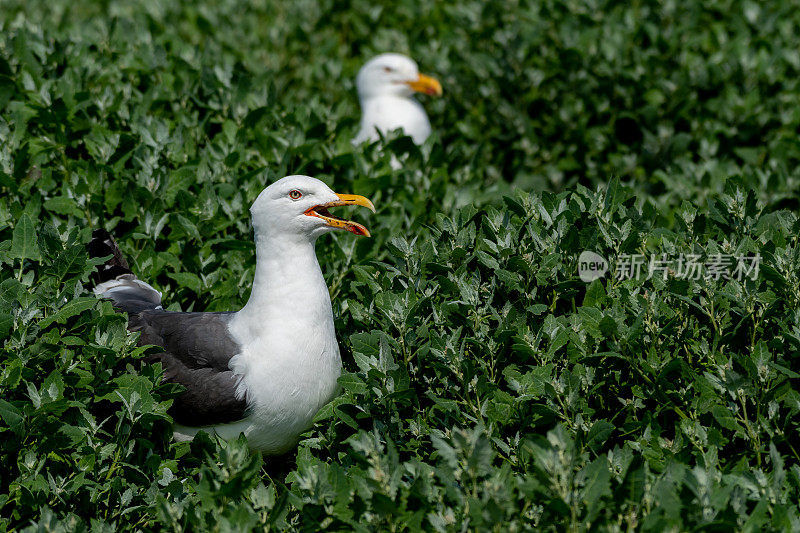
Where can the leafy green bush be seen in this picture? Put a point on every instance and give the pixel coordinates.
(487, 386)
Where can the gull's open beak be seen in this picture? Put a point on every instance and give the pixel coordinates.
(426, 84)
(321, 211)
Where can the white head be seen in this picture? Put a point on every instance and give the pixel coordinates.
(393, 74)
(298, 206)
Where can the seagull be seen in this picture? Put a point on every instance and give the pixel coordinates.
(266, 369)
(385, 85)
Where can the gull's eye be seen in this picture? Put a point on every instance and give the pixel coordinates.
(294, 194)
(388, 69)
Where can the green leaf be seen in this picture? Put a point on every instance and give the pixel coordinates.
(726, 419)
(24, 244)
(6, 323)
(188, 280)
(352, 383)
(344, 416)
(62, 205)
(599, 433)
(597, 482)
(9, 414)
(70, 309)
(595, 294)
(633, 484)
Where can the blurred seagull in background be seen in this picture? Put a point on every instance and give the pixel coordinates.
(385, 85)
(264, 370)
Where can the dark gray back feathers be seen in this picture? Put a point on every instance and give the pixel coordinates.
(197, 346)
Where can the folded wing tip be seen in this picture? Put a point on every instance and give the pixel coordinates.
(129, 294)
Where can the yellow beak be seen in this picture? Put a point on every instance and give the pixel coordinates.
(354, 199)
(321, 211)
(426, 84)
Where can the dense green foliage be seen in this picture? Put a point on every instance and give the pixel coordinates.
(486, 385)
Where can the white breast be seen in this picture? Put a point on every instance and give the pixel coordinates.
(285, 385)
(388, 112)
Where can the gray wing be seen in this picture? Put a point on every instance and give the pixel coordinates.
(197, 349)
(197, 346)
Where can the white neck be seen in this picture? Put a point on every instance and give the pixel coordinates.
(289, 358)
(288, 288)
(386, 99)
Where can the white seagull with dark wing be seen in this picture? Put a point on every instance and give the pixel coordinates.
(264, 370)
(385, 85)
